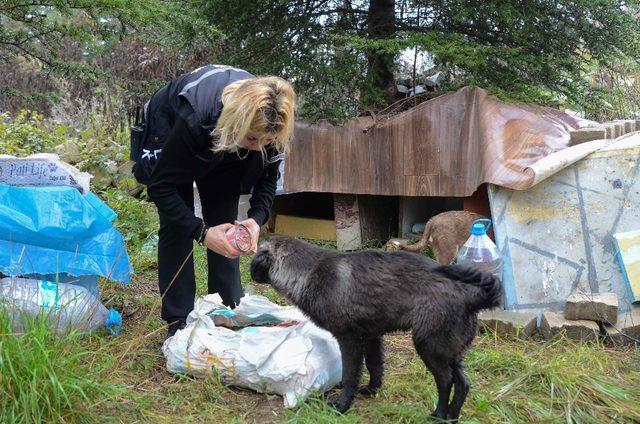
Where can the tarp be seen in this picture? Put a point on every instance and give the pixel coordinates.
(447, 146)
(51, 230)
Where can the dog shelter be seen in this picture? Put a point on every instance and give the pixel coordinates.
(376, 177)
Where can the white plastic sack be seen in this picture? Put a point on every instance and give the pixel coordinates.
(42, 169)
(294, 360)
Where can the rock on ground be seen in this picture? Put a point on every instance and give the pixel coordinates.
(503, 322)
(592, 306)
(552, 324)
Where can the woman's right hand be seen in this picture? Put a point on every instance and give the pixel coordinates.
(216, 240)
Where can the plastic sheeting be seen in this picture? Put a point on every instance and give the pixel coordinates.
(269, 348)
(52, 230)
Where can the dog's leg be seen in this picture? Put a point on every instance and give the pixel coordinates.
(374, 359)
(351, 351)
(461, 389)
(441, 371)
(442, 374)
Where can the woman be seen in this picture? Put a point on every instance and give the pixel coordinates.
(226, 130)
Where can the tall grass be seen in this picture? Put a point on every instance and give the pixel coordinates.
(513, 381)
(45, 377)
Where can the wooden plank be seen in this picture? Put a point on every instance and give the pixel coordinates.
(420, 150)
(381, 168)
(414, 185)
(308, 228)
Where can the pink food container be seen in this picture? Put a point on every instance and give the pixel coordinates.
(239, 238)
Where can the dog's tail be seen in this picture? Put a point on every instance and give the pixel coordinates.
(419, 246)
(483, 290)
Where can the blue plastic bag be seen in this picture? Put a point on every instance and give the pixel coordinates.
(52, 230)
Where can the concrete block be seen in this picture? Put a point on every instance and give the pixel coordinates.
(628, 125)
(610, 131)
(626, 331)
(503, 322)
(592, 307)
(552, 324)
(347, 217)
(587, 134)
(618, 128)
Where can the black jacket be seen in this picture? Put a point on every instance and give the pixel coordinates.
(180, 118)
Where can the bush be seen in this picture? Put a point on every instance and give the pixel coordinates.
(26, 134)
(138, 222)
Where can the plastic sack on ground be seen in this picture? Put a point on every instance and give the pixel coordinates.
(41, 169)
(66, 307)
(259, 345)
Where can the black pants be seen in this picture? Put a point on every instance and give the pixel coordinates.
(219, 193)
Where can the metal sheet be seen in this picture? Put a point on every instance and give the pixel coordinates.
(446, 146)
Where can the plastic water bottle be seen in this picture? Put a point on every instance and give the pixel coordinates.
(67, 307)
(480, 251)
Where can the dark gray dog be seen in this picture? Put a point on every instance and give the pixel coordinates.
(359, 297)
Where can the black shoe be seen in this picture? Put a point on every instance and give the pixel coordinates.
(174, 326)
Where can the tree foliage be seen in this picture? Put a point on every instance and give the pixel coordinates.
(47, 43)
(342, 55)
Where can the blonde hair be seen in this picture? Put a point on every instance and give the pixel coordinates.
(264, 105)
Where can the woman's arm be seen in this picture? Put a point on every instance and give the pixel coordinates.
(178, 164)
(263, 193)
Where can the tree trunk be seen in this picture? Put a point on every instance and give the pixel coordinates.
(382, 26)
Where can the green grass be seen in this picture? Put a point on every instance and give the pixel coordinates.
(102, 378)
(123, 379)
(512, 382)
(50, 378)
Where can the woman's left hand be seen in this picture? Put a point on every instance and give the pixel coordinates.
(254, 230)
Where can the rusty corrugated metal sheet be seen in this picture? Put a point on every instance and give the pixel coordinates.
(447, 146)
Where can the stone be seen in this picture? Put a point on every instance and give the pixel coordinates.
(103, 175)
(582, 330)
(124, 170)
(592, 306)
(501, 322)
(583, 135)
(69, 152)
(626, 331)
(125, 180)
(131, 187)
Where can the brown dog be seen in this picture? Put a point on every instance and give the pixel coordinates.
(446, 233)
